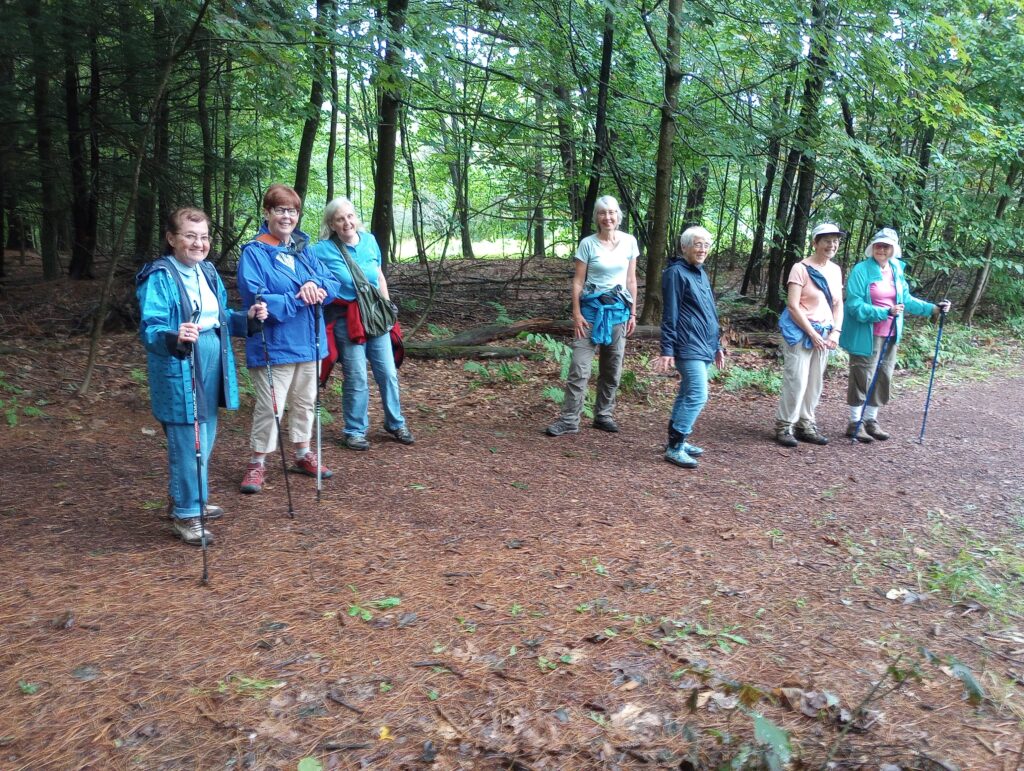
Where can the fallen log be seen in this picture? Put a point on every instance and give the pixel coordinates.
(439, 349)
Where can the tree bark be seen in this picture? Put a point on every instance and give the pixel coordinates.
(332, 140)
(389, 73)
(600, 124)
(203, 109)
(227, 215)
(773, 282)
(44, 141)
(567, 151)
(82, 238)
(696, 194)
(316, 99)
(657, 251)
(982, 275)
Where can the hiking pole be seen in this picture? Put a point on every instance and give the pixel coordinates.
(931, 380)
(316, 325)
(874, 378)
(193, 358)
(277, 418)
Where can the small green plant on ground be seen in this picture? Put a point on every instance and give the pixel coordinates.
(764, 379)
(438, 331)
(364, 608)
(502, 316)
(507, 372)
(253, 687)
(12, 408)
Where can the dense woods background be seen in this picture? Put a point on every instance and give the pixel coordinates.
(474, 129)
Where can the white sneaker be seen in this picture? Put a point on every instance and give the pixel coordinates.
(191, 531)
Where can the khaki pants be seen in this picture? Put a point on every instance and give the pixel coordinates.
(803, 376)
(608, 374)
(295, 387)
(862, 369)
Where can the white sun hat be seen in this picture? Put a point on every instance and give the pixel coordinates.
(885, 236)
(826, 229)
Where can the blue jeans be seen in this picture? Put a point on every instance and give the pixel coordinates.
(183, 486)
(692, 396)
(355, 393)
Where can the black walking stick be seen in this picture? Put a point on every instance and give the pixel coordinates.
(277, 418)
(316, 324)
(874, 378)
(193, 358)
(931, 380)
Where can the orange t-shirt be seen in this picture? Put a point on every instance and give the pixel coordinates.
(813, 302)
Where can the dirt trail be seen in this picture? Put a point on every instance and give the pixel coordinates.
(567, 603)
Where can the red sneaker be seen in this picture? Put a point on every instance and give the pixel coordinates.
(307, 466)
(255, 473)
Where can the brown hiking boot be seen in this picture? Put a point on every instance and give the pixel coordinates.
(784, 434)
(808, 432)
(858, 433)
(875, 430)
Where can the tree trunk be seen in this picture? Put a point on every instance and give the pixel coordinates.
(567, 151)
(316, 100)
(414, 190)
(44, 142)
(657, 251)
(773, 281)
(332, 140)
(389, 73)
(600, 124)
(696, 194)
(203, 110)
(809, 130)
(227, 215)
(80, 265)
(982, 275)
(753, 272)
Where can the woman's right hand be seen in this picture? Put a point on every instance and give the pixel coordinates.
(188, 333)
(664, 364)
(581, 327)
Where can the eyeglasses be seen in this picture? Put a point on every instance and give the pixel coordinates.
(193, 237)
(281, 211)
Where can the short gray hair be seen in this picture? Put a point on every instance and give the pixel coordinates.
(687, 236)
(330, 210)
(606, 203)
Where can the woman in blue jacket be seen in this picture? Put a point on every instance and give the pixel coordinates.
(279, 267)
(172, 290)
(877, 296)
(689, 340)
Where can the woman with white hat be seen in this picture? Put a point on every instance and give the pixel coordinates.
(877, 296)
(810, 326)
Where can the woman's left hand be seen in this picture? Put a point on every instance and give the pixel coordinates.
(258, 311)
(311, 294)
(630, 325)
(720, 358)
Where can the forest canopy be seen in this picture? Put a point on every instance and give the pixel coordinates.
(488, 128)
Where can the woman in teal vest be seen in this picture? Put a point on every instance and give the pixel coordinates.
(173, 290)
(877, 297)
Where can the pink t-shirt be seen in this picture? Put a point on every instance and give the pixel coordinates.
(883, 295)
(813, 302)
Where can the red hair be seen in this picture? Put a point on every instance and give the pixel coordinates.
(281, 195)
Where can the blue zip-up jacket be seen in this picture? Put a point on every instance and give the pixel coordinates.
(689, 320)
(164, 305)
(290, 325)
(603, 318)
(860, 316)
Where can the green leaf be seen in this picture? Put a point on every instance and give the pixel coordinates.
(27, 688)
(775, 739)
(310, 764)
(975, 693)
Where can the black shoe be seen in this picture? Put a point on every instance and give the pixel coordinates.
(355, 442)
(606, 424)
(561, 426)
(402, 435)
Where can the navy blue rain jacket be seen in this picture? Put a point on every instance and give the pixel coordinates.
(689, 321)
